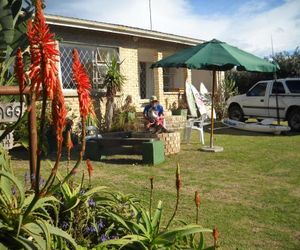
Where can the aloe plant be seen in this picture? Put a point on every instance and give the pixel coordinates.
(145, 232)
(37, 230)
(113, 81)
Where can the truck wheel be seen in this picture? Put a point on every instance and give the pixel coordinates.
(294, 119)
(236, 113)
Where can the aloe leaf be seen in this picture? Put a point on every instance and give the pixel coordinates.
(129, 239)
(44, 202)
(180, 232)
(61, 234)
(34, 230)
(17, 184)
(93, 191)
(46, 232)
(71, 204)
(21, 241)
(27, 200)
(201, 242)
(157, 217)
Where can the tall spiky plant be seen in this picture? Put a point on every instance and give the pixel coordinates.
(13, 18)
(113, 81)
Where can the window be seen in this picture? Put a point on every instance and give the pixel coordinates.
(278, 88)
(168, 78)
(143, 80)
(94, 60)
(294, 86)
(258, 90)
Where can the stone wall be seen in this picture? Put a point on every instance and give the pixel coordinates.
(171, 140)
(175, 122)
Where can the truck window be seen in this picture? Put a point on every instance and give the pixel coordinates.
(280, 88)
(258, 90)
(293, 86)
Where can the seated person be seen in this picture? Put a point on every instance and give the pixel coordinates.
(154, 115)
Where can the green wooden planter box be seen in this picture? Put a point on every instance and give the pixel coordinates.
(153, 152)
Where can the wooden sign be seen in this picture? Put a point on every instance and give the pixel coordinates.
(8, 142)
(10, 112)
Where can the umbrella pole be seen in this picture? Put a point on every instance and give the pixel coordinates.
(212, 147)
(212, 110)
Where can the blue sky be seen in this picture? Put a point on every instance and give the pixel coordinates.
(227, 7)
(247, 24)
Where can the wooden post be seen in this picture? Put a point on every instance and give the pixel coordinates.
(32, 132)
(14, 90)
(212, 110)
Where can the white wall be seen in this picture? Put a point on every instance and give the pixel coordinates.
(204, 76)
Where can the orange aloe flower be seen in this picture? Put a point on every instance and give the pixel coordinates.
(59, 113)
(19, 70)
(197, 199)
(89, 167)
(83, 86)
(69, 143)
(178, 178)
(216, 236)
(44, 53)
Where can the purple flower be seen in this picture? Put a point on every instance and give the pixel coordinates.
(100, 224)
(90, 229)
(42, 181)
(64, 225)
(13, 190)
(26, 177)
(82, 192)
(91, 202)
(103, 238)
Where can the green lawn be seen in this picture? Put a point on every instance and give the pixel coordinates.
(251, 191)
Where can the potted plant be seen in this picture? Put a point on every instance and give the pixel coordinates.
(181, 109)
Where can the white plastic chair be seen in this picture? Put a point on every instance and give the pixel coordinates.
(197, 124)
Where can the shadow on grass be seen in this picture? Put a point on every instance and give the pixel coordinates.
(123, 161)
(21, 153)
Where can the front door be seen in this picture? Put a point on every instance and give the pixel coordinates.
(146, 80)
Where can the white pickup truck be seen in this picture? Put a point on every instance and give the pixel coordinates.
(267, 99)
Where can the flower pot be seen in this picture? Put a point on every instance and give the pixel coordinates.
(182, 112)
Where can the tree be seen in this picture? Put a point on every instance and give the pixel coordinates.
(289, 64)
(14, 15)
(113, 81)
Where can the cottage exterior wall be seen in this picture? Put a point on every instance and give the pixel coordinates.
(132, 50)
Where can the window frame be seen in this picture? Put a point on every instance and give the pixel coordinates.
(255, 86)
(278, 93)
(95, 63)
(287, 85)
(171, 77)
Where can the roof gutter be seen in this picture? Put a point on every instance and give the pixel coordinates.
(119, 29)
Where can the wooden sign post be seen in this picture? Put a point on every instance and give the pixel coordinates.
(9, 114)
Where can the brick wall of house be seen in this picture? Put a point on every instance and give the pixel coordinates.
(129, 68)
(72, 105)
(158, 80)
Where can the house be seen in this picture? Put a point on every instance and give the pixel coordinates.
(136, 49)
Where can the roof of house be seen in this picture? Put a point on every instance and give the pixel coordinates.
(119, 29)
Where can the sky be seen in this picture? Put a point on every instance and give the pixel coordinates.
(247, 24)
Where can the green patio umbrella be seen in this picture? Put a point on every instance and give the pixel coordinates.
(215, 56)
